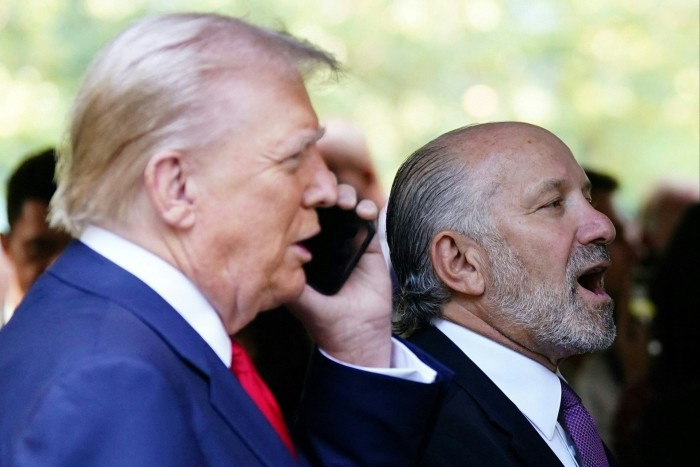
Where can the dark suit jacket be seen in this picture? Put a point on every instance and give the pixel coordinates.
(97, 369)
(478, 425)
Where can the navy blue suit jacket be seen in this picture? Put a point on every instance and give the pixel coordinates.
(478, 425)
(97, 369)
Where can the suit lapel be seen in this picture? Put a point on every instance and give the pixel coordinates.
(232, 402)
(87, 270)
(498, 408)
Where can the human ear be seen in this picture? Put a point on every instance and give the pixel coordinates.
(168, 185)
(458, 262)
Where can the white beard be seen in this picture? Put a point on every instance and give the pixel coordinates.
(553, 315)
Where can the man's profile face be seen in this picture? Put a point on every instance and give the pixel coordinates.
(31, 245)
(547, 266)
(260, 193)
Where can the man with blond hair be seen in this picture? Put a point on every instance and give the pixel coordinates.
(190, 181)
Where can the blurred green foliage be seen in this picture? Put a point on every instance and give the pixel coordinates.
(617, 80)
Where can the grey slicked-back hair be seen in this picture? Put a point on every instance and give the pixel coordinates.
(435, 189)
(159, 85)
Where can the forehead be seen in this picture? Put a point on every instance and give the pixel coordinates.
(269, 110)
(527, 161)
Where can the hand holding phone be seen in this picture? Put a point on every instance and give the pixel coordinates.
(337, 248)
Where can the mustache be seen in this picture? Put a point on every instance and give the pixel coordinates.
(584, 257)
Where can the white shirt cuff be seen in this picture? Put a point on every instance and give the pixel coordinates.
(404, 364)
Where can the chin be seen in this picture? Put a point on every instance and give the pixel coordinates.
(295, 292)
(291, 289)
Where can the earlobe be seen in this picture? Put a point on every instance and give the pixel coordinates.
(456, 260)
(167, 184)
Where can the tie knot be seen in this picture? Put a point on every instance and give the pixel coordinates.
(569, 398)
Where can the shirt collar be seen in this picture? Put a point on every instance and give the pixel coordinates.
(168, 282)
(533, 388)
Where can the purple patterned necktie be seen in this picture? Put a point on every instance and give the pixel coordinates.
(578, 422)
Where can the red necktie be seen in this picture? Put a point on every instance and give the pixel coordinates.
(242, 367)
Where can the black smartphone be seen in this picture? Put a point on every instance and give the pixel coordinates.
(336, 249)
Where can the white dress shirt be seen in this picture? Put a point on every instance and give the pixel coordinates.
(533, 388)
(176, 289)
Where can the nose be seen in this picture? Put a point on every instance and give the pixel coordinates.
(323, 189)
(596, 228)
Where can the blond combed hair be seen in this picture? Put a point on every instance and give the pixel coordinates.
(154, 87)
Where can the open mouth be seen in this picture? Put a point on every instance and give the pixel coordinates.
(592, 280)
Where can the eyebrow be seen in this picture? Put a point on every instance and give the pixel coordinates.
(311, 138)
(546, 186)
(556, 184)
(300, 141)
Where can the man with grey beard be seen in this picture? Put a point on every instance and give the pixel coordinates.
(500, 259)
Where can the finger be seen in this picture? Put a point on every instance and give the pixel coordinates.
(347, 196)
(367, 210)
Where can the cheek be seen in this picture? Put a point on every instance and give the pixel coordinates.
(285, 280)
(541, 256)
(276, 246)
(549, 266)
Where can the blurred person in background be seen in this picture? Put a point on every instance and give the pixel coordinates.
(344, 148)
(30, 245)
(657, 220)
(667, 435)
